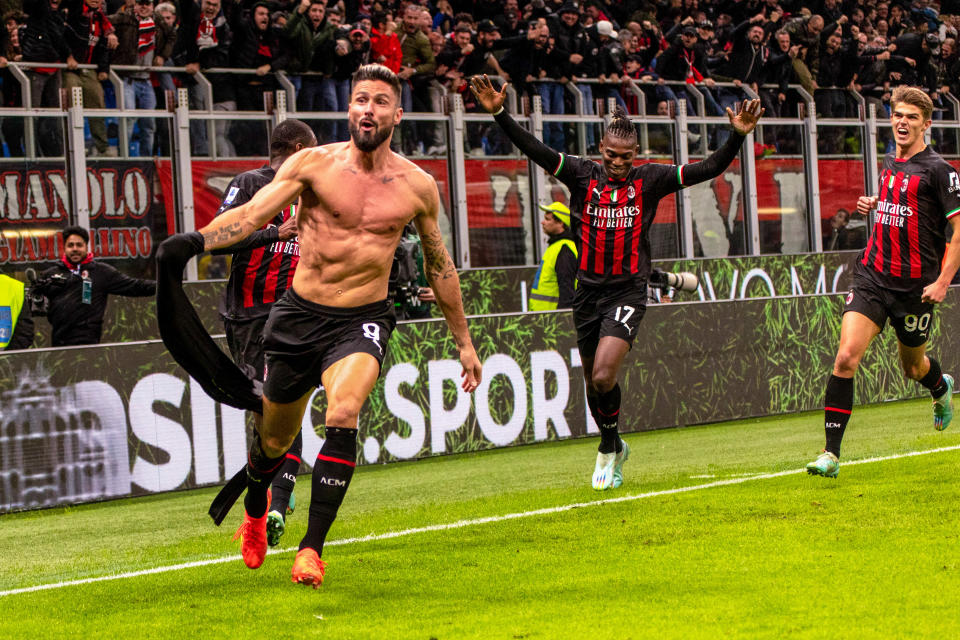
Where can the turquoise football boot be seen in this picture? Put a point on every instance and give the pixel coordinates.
(622, 457)
(826, 465)
(943, 406)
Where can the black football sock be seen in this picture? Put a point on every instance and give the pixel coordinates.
(331, 477)
(838, 403)
(286, 478)
(592, 401)
(608, 412)
(260, 472)
(934, 379)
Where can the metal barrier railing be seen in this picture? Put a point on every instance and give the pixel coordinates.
(454, 124)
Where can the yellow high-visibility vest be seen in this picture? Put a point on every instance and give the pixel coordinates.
(11, 302)
(545, 293)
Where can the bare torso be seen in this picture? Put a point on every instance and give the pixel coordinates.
(350, 222)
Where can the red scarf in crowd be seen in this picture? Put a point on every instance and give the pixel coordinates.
(146, 40)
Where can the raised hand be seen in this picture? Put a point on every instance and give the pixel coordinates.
(745, 119)
(488, 97)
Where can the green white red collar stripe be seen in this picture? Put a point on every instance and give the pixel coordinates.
(556, 171)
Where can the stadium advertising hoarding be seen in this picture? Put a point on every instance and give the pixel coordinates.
(129, 214)
(487, 291)
(83, 424)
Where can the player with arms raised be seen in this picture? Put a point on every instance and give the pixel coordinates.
(332, 325)
(612, 205)
(899, 274)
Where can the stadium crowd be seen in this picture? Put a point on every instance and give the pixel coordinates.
(827, 46)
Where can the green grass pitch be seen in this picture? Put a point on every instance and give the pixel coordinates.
(872, 554)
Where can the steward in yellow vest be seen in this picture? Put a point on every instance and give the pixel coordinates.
(556, 279)
(16, 323)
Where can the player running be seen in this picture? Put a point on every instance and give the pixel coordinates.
(332, 325)
(612, 205)
(261, 271)
(899, 274)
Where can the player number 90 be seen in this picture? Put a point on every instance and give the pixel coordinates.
(912, 323)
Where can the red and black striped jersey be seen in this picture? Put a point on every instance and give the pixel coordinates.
(917, 197)
(610, 219)
(263, 265)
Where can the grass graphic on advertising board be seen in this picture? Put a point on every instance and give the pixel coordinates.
(869, 555)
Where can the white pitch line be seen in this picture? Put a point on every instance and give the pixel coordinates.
(467, 523)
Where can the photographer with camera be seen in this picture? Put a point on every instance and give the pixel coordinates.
(407, 287)
(16, 323)
(76, 290)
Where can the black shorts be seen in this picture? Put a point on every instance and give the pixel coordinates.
(910, 318)
(607, 310)
(302, 339)
(245, 339)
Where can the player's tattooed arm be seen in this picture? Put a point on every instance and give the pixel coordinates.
(224, 235)
(236, 224)
(436, 261)
(442, 275)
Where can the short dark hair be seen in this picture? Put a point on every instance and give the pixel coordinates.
(377, 72)
(16, 15)
(287, 135)
(76, 231)
(621, 127)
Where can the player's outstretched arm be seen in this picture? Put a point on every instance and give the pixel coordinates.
(492, 101)
(743, 122)
(236, 224)
(936, 291)
(442, 275)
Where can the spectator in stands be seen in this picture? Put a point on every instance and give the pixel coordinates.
(778, 70)
(482, 60)
(416, 71)
(684, 62)
(835, 73)
(872, 72)
(509, 22)
(912, 65)
(77, 288)
(352, 51)
(450, 63)
(443, 21)
(312, 41)
(203, 42)
(611, 63)
(255, 45)
(144, 40)
(805, 32)
(748, 55)
(42, 40)
(86, 33)
(948, 70)
(384, 43)
(12, 128)
(583, 51)
(167, 13)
